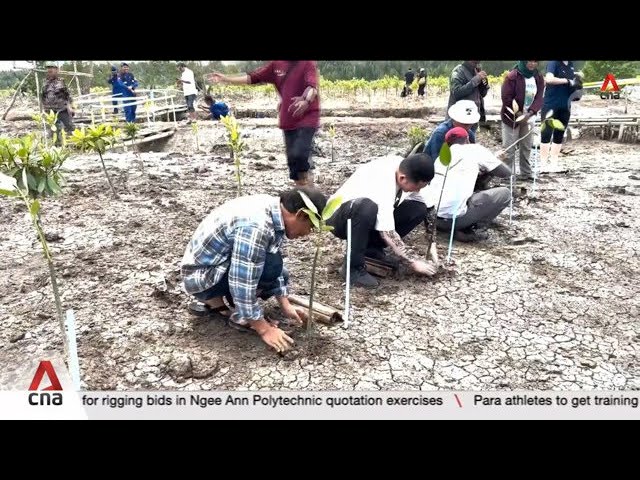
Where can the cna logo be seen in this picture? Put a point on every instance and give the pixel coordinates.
(45, 398)
(612, 91)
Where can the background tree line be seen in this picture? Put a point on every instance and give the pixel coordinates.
(162, 74)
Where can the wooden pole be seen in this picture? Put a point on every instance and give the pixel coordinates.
(75, 75)
(321, 313)
(35, 72)
(15, 95)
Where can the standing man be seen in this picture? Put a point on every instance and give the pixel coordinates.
(297, 83)
(188, 83)
(56, 97)
(130, 84)
(372, 199)
(469, 82)
(117, 88)
(422, 82)
(235, 254)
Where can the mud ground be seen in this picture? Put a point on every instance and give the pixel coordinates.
(549, 302)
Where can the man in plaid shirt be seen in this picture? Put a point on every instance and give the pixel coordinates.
(235, 253)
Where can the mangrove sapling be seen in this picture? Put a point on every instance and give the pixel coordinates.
(445, 159)
(236, 144)
(31, 172)
(320, 226)
(97, 138)
(194, 130)
(332, 136)
(131, 130)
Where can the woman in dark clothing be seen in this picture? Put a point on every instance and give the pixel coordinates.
(525, 85)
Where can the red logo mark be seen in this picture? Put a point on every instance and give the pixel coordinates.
(45, 367)
(609, 79)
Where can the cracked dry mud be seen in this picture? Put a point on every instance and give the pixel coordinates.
(551, 302)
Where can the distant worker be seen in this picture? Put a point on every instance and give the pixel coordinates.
(56, 97)
(408, 81)
(216, 109)
(422, 82)
(188, 83)
(299, 116)
(130, 84)
(117, 87)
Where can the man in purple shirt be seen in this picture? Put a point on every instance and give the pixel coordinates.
(299, 114)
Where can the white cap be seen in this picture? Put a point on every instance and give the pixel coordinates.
(464, 111)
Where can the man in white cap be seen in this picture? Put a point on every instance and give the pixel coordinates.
(463, 113)
(422, 82)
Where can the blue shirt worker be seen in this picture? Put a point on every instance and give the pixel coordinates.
(130, 84)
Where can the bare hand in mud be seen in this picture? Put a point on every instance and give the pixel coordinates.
(276, 338)
(299, 105)
(424, 268)
(297, 314)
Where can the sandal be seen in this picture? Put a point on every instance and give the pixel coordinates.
(200, 309)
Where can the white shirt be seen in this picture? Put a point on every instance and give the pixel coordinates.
(189, 88)
(530, 90)
(466, 162)
(376, 181)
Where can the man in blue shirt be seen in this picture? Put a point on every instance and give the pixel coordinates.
(216, 109)
(130, 84)
(463, 113)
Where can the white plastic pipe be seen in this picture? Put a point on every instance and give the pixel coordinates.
(346, 296)
(74, 365)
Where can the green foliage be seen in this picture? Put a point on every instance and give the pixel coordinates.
(445, 155)
(35, 167)
(236, 144)
(550, 122)
(319, 223)
(416, 134)
(96, 138)
(597, 70)
(131, 129)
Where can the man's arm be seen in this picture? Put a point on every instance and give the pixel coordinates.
(245, 269)
(393, 240)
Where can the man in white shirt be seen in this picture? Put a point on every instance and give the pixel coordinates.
(468, 160)
(188, 81)
(373, 198)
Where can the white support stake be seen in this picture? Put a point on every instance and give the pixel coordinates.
(74, 365)
(346, 297)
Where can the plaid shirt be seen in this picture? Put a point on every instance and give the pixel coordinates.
(236, 237)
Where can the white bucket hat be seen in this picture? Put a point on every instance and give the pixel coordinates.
(464, 111)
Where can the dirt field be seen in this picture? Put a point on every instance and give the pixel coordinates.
(550, 302)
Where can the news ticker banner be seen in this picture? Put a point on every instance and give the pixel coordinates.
(43, 390)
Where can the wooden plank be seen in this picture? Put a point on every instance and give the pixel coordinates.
(321, 313)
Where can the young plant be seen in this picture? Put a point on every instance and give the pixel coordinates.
(319, 223)
(332, 136)
(549, 122)
(194, 129)
(97, 138)
(48, 121)
(131, 131)
(445, 159)
(236, 144)
(39, 176)
(416, 135)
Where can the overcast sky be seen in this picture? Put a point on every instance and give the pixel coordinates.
(8, 65)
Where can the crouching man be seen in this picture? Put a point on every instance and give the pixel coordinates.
(472, 210)
(235, 254)
(373, 199)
